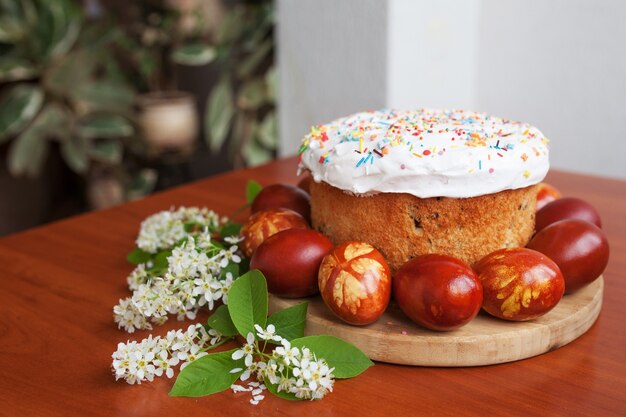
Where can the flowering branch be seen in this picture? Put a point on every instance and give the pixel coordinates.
(186, 261)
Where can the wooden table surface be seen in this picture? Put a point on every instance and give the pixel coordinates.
(59, 283)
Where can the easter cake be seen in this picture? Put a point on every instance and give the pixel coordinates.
(422, 181)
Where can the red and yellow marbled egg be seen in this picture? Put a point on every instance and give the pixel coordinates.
(355, 283)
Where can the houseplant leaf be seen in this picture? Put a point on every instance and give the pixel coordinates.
(105, 95)
(220, 111)
(74, 153)
(70, 72)
(251, 63)
(105, 126)
(106, 150)
(66, 24)
(11, 29)
(271, 79)
(194, 54)
(267, 132)
(252, 94)
(15, 69)
(254, 154)
(18, 106)
(30, 148)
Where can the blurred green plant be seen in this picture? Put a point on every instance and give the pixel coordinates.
(61, 83)
(233, 38)
(241, 109)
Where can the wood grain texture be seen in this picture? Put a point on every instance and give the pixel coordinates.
(484, 341)
(58, 284)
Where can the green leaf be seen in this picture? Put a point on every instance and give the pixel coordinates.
(231, 26)
(138, 256)
(232, 268)
(252, 189)
(247, 302)
(220, 320)
(104, 95)
(273, 388)
(347, 359)
(18, 107)
(105, 126)
(11, 30)
(66, 24)
(15, 69)
(252, 95)
(251, 63)
(271, 79)
(70, 72)
(28, 152)
(290, 322)
(74, 152)
(194, 54)
(267, 133)
(230, 229)
(159, 262)
(107, 151)
(254, 154)
(219, 114)
(207, 375)
(142, 184)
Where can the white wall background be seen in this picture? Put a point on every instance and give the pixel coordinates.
(558, 64)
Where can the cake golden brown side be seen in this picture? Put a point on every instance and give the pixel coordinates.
(402, 226)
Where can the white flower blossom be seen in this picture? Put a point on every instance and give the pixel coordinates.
(269, 333)
(248, 350)
(293, 370)
(162, 230)
(155, 356)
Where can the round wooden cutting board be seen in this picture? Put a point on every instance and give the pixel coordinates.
(484, 341)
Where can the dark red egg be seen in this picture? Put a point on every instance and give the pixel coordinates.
(290, 261)
(438, 292)
(579, 248)
(546, 193)
(566, 208)
(283, 196)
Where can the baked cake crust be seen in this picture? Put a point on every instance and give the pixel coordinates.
(402, 226)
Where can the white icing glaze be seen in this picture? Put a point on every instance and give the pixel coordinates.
(426, 153)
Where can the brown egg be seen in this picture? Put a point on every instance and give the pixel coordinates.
(355, 283)
(438, 292)
(266, 223)
(519, 284)
(283, 196)
(579, 248)
(546, 194)
(566, 208)
(290, 260)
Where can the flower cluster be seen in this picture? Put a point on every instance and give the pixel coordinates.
(155, 356)
(193, 271)
(291, 369)
(194, 278)
(162, 230)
